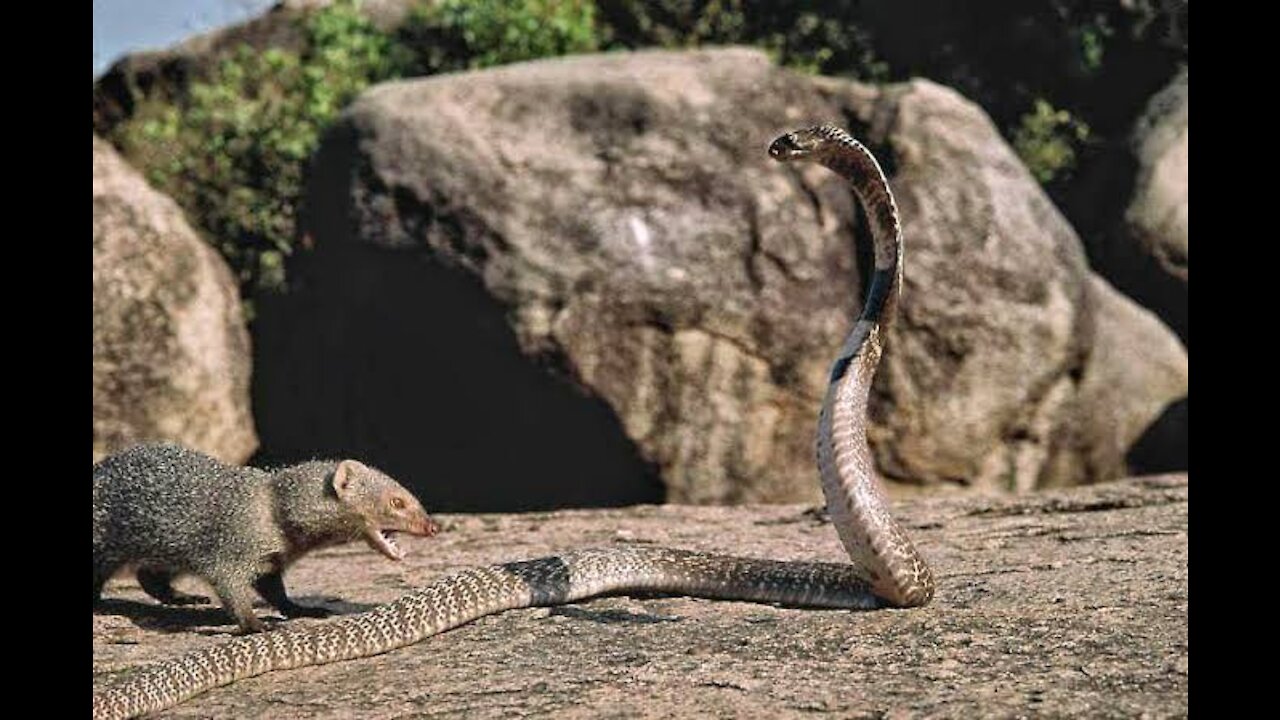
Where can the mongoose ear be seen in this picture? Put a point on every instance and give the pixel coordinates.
(343, 480)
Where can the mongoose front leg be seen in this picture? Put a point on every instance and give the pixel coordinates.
(270, 586)
(159, 585)
(104, 566)
(237, 601)
(100, 577)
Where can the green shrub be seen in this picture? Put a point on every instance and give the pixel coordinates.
(1093, 44)
(808, 35)
(460, 34)
(232, 153)
(1046, 140)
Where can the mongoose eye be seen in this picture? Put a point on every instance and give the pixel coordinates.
(397, 503)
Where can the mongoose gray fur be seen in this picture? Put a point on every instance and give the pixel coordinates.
(168, 511)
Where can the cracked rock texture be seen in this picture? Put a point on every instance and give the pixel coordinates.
(1064, 603)
(593, 259)
(171, 358)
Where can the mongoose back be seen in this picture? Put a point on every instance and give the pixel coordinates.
(168, 511)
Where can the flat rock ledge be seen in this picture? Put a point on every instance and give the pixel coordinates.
(1068, 603)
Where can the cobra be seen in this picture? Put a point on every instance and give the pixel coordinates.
(885, 569)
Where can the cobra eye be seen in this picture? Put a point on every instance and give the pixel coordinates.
(397, 503)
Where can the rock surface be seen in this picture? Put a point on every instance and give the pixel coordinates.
(615, 218)
(1066, 603)
(171, 357)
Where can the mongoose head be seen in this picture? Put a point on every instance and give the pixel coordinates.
(383, 505)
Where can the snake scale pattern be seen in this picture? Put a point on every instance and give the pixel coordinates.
(886, 570)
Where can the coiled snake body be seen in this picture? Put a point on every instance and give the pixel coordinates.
(886, 570)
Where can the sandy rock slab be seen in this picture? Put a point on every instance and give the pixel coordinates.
(1067, 603)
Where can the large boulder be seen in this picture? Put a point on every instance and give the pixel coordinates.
(171, 353)
(1013, 366)
(568, 280)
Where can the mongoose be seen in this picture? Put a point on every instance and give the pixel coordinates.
(168, 510)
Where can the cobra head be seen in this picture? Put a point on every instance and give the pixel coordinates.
(800, 144)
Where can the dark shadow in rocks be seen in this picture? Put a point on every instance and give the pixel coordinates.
(389, 356)
(412, 367)
(1163, 447)
(1096, 203)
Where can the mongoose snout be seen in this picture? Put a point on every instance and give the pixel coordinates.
(385, 507)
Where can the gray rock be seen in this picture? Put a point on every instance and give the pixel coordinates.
(170, 350)
(1068, 603)
(616, 219)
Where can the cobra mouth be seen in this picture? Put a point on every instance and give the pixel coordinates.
(381, 541)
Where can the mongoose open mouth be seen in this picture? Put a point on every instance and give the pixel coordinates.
(381, 541)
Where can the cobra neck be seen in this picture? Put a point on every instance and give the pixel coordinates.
(851, 160)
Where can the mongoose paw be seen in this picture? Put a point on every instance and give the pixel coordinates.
(181, 598)
(249, 626)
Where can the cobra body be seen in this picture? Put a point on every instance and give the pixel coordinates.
(886, 570)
